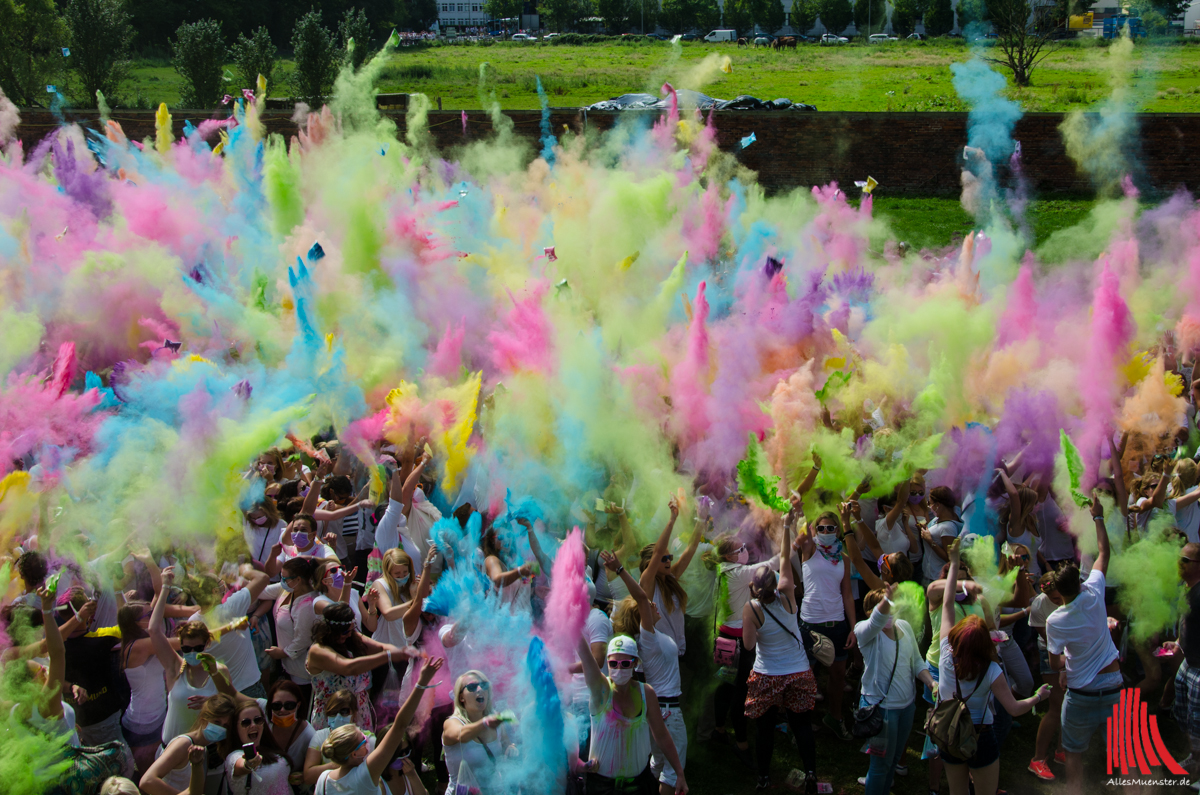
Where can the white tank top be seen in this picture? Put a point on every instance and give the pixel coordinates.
(389, 631)
(473, 753)
(180, 719)
(147, 697)
(670, 621)
(822, 589)
(1031, 543)
(356, 782)
(777, 651)
(620, 745)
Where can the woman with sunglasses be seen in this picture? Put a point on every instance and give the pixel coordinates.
(401, 773)
(782, 677)
(341, 658)
(828, 606)
(190, 675)
(661, 581)
(292, 733)
(170, 773)
(625, 716)
(266, 770)
(359, 769)
(335, 585)
(472, 735)
(294, 614)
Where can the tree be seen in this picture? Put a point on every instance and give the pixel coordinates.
(564, 14)
(355, 32)
(870, 15)
(939, 18)
(769, 15)
(1170, 9)
(836, 15)
(31, 56)
(803, 15)
(421, 14)
(198, 55)
(99, 37)
(503, 9)
(616, 14)
(253, 56)
(708, 15)
(316, 54)
(1023, 35)
(739, 16)
(904, 17)
(972, 12)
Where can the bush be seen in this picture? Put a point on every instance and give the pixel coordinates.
(316, 55)
(252, 57)
(31, 58)
(198, 55)
(355, 33)
(100, 38)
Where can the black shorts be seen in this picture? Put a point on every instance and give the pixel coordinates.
(838, 634)
(987, 750)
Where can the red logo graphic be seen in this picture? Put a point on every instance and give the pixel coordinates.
(1133, 738)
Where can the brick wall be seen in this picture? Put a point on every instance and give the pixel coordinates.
(908, 153)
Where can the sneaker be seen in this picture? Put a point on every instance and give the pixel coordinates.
(1060, 757)
(810, 783)
(837, 727)
(763, 782)
(1040, 769)
(901, 770)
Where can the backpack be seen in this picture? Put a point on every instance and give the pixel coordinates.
(950, 726)
(90, 766)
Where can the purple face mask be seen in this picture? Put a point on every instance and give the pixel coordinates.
(914, 499)
(301, 540)
(961, 594)
(260, 520)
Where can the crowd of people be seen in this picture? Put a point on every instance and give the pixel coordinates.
(300, 666)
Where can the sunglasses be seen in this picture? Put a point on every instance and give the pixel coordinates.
(257, 720)
(620, 663)
(473, 686)
(826, 528)
(188, 649)
(667, 558)
(284, 706)
(345, 712)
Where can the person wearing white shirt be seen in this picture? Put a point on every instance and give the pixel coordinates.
(1040, 609)
(938, 535)
(892, 664)
(1078, 641)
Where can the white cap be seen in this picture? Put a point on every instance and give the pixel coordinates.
(623, 644)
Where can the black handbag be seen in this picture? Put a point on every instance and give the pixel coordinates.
(868, 721)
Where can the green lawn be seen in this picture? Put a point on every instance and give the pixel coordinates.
(900, 76)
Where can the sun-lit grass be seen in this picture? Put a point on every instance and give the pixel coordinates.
(900, 76)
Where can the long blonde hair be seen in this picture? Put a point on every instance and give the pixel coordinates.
(627, 618)
(1185, 477)
(397, 557)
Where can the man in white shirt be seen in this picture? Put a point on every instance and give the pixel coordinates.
(235, 648)
(1080, 645)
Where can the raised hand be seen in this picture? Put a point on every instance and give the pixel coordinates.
(609, 560)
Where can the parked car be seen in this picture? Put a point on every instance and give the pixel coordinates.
(916, 37)
(721, 36)
(689, 37)
(551, 36)
(880, 38)
(525, 37)
(829, 38)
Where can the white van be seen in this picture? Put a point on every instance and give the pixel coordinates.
(721, 35)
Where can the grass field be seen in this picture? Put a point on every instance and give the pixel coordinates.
(900, 76)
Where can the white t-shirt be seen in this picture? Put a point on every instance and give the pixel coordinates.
(931, 563)
(698, 580)
(670, 621)
(978, 693)
(880, 654)
(1187, 519)
(737, 578)
(892, 539)
(261, 539)
(389, 631)
(317, 550)
(356, 782)
(235, 649)
(355, 605)
(1080, 630)
(1039, 610)
(293, 630)
(660, 663)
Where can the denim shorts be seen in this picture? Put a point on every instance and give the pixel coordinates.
(1044, 661)
(928, 694)
(1082, 715)
(987, 749)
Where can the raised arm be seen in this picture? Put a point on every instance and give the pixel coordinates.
(543, 561)
(410, 483)
(1102, 550)
(1122, 493)
(596, 683)
(685, 559)
(948, 591)
(379, 758)
(660, 549)
(786, 585)
(811, 477)
(871, 579)
(329, 660)
(897, 510)
(56, 650)
(171, 662)
(645, 607)
(412, 613)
